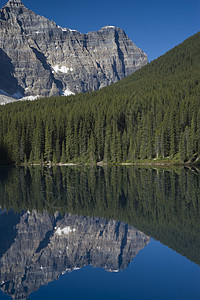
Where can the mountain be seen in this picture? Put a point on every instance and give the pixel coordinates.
(153, 115)
(39, 58)
(45, 247)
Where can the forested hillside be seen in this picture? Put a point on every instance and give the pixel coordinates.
(154, 113)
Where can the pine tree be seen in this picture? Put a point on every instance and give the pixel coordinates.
(63, 156)
(107, 145)
(92, 149)
(172, 138)
(57, 151)
(22, 147)
(194, 139)
(157, 143)
(189, 143)
(48, 150)
(182, 147)
(38, 143)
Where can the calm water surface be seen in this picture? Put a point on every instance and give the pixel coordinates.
(99, 233)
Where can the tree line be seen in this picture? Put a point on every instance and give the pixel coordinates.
(152, 114)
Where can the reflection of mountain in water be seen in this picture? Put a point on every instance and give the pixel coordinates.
(47, 246)
(163, 203)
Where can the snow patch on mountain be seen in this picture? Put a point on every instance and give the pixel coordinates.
(62, 69)
(66, 230)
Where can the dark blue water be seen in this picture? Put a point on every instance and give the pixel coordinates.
(157, 272)
(60, 219)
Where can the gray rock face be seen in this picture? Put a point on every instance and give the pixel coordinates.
(37, 57)
(45, 247)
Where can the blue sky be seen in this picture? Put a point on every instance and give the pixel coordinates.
(154, 26)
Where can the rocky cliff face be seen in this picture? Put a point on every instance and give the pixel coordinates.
(37, 57)
(43, 247)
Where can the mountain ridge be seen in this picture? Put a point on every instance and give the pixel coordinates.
(45, 59)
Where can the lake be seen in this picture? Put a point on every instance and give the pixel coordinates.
(120, 232)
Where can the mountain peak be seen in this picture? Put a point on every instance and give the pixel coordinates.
(109, 27)
(14, 3)
(44, 59)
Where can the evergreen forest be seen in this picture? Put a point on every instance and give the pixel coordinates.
(154, 114)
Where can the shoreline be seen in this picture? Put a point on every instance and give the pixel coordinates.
(102, 164)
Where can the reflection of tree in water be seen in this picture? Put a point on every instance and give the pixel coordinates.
(163, 204)
(51, 192)
(4, 156)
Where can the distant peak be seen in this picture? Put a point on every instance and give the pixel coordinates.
(109, 27)
(14, 3)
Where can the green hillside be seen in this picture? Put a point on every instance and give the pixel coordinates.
(152, 114)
